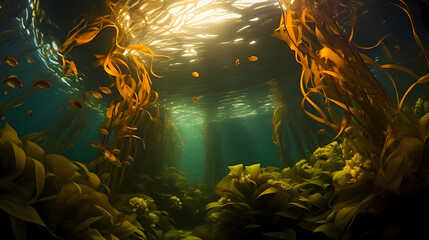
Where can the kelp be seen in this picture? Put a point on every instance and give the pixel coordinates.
(334, 69)
(125, 65)
(277, 123)
(67, 123)
(262, 202)
(56, 194)
(383, 137)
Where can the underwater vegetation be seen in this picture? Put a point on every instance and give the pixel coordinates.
(49, 191)
(371, 181)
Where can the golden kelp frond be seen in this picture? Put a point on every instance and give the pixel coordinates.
(376, 45)
(371, 125)
(126, 66)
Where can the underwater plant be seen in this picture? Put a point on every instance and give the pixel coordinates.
(184, 202)
(60, 198)
(262, 203)
(127, 113)
(67, 123)
(374, 125)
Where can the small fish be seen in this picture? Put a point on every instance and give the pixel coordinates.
(116, 151)
(349, 129)
(71, 145)
(237, 62)
(3, 118)
(132, 128)
(321, 131)
(103, 131)
(365, 12)
(11, 61)
(13, 81)
(105, 90)
(84, 96)
(30, 113)
(195, 74)
(397, 47)
(42, 83)
(253, 59)
(96, 94)
(130, 159)
(76, 104)
(126, 163)
(5, 91)
(178, 146)
(30, 60)
(95, 144)
(195, 99)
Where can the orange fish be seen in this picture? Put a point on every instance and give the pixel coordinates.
(131, 128)
(349, 129)
(96, 94)
(5, 92)
(95, 144)
(30, 113)
(13, 81)
(42, 83)
(321, 131)
(11, 61)
(116, 151)
(397, 47)
(103, 131)
(237, 62)
(71, 145)
(195, 74)
(76, 104)
(253, 59)
(126, 163)
(195, 99)
(30, 60)
(84, 96)
(105, 90)
(130, 159)
(107, 154)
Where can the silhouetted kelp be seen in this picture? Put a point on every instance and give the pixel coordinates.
(67, 124)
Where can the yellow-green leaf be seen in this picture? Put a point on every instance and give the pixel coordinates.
(61, 167)
(19, 209)
(33, 150)
(253, 170)
(19, 228)
(269, 190)
(85, 224)
(39, 175)
(9, 134)
(236, 170)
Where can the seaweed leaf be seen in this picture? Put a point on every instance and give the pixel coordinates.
(269, 190)
(253, 170)
(85, 224)
(236, 170)
(328, 229)
(19, 228)
(39, 176)
(17, 208)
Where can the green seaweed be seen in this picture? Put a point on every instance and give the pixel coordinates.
(56, 194)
